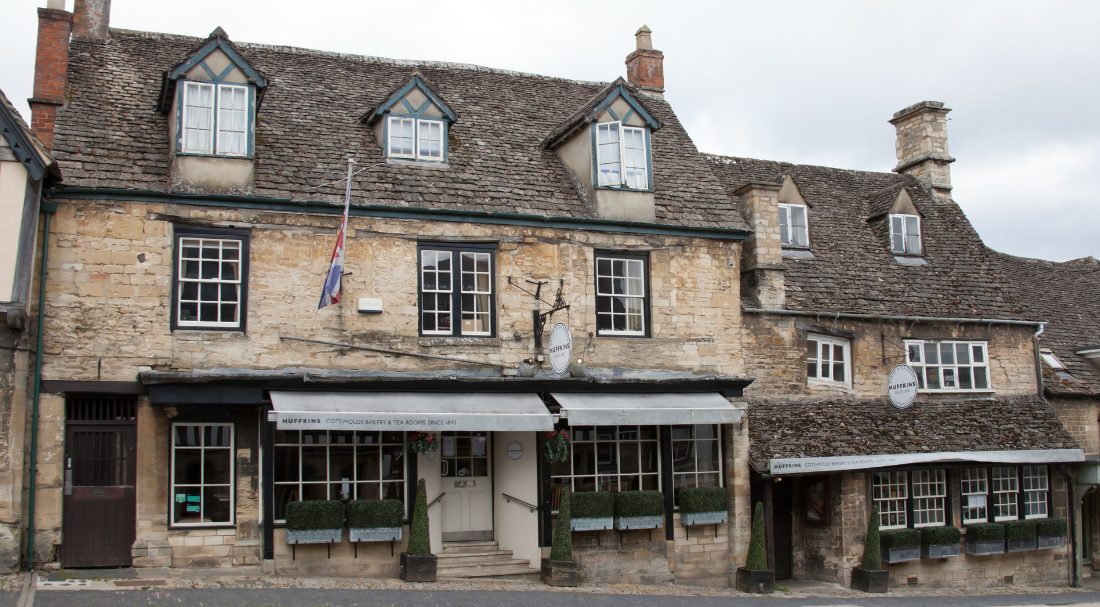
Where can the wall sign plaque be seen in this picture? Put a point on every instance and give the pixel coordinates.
(560, 348)
(515, 450)
(902, 386)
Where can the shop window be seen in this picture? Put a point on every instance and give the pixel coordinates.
(320, 465)
(202, 474)
(827, 360)
(1036, 489)
(1012, 493)
(610, 458)
(696, 457)
(456, 290)
(210, 288)
(949, 366)
(622, 296)
(975, 492)
(921, 492)
(929, 497)
(890, 493)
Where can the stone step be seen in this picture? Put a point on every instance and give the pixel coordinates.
(520, 568)
(496, 562)
(472, 558)
(467, 547)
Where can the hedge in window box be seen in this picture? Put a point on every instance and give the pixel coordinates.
(1020, 536)
(374, 520)
(986, 538)
(900, 545)
(1051, 532)
(315, 522)
(704, 506)
(593, 510)
(639, 510)
(939, 542)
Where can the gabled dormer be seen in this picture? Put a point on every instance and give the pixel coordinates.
(794, 217)
(412, 124)
(211, 98)
(608, 147)
(896, 208)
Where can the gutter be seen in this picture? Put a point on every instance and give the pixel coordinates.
(855, 316)
(47, 211)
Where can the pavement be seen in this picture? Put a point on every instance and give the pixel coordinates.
(249, 588)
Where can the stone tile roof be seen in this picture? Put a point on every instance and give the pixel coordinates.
(40, 151)
(109, 135)
(825, 427)
(1066, 295)
(852, 269)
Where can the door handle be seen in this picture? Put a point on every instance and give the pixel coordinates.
(68, 481)
(446, 467)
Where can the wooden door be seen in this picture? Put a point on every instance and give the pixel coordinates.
(98, 517)
(782, 520)
(467, 480)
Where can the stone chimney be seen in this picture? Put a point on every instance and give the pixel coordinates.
(91, 20)
(51, 69)
(922, 145)
(645, 67)
(762, 278)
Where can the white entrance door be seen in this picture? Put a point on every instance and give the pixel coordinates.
(466, 474)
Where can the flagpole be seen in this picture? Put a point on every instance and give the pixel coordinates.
(330, 293)
(347, 191)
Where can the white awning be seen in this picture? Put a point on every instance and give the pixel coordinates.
(805, 465)
(590, 409)
(408, 411)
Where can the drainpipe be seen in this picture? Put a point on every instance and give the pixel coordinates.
(1038, 359)
(1071, 513)
(47, 212)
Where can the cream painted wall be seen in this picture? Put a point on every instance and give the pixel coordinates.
(516, 527)
(13, 191)
(428, 469)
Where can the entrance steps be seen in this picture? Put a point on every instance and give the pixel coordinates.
(481, 559)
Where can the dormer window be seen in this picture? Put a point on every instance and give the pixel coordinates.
(793, 227)
(412, 123)
(905, 234)
(415, 139)
(1051, 359)
(621, 156)
(215, 119)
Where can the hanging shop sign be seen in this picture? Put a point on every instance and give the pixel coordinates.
(902, 386)
(561, 348)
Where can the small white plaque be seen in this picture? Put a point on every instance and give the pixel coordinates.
(515, 450)
(902, 386)
(560, 348)
(370, 305)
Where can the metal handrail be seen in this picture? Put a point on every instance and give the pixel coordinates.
(512, 498)
(437, 498)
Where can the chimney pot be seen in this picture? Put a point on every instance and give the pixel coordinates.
(644, 38)
(91, 20)
(645, 67)
(921, 145)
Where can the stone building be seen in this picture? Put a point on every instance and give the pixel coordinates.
(192, 387)
(849, 274)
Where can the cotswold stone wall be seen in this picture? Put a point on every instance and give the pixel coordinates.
(1079, 416)
(15, 363)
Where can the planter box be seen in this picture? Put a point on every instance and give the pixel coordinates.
(626, 523)
(1020, 545)
(985, 547)
(560, 573)
(870, 581)
(1051, 541)
(939, 551)
(755, 581)
(314, 536)
(592, 524)
(374, 534)
(901, 555)
(689, 519)
(418, 568)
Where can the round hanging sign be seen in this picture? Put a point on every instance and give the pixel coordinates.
(561, 348)
(902, 386)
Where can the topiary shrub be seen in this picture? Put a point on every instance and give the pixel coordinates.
(593, 504)
(1051, 527)
(639, 503)
(372, 514)
(939, 536)
(315, 514)
(872, 547)
(1020, 530)
(562, 547)
(419, 538)
(758, 556)
(985, 532)
(704, 499)
(900, 539)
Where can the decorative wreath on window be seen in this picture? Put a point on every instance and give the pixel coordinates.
(423, 442)
(556, 447)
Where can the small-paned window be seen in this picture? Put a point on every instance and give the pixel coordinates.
(210, 287)
(905, 234)
(1035, 490)
(696, 457)
(827, 360)
(929, 497)
(1012, 493)
(793, 227)
(975, 496)
(215, 119)
(896, 493)
(622, 298)
(949, 366)
(415, 139)
(1005, 494)
(890, 493)
(331, 465)
(622, 156)
(456, 290)
(610, 458)
(202, 474)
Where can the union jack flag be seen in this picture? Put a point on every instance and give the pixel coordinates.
(330, 294)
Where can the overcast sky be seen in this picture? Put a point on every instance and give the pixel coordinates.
(806, 82)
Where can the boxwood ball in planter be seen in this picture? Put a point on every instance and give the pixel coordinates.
(374, 520)
(939, 542)
(593, 510)
(986, 538)
(1020, 536)
(900, 545)
(703, 506)
(639, 510)
(315, 522)
(1051, 532)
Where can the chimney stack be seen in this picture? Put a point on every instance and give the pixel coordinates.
(51, 68)
(91, 20)
(645, 67)
(922, 145)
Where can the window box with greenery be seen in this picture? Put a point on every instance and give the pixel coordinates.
(315, 522)
(639, 510)
(900, 545)
(755, 577)
(939, 542)
(704, 506)
(870, 576)
(560, 569)
(1051, 533)
(592, 511)
(1020, 536)
(986, 538)
(418, 564)
(374, 520)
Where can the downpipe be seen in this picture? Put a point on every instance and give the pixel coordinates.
(47, 212)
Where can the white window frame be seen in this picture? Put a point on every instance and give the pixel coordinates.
(215, 147)
(903, 221)
(920, 364)
(202, 242)
(189, 88)
(826, 359)
(1051, 359)
(692, 445)
(1005, 486)
(890, 492)
(615, 441)
(974, 481)
(457, 312)
(929, 496)
(793, 238)
(417, 153)
(1034, 491)
(202, 449)
(626, 298)
(628, 164)
(220, 128)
